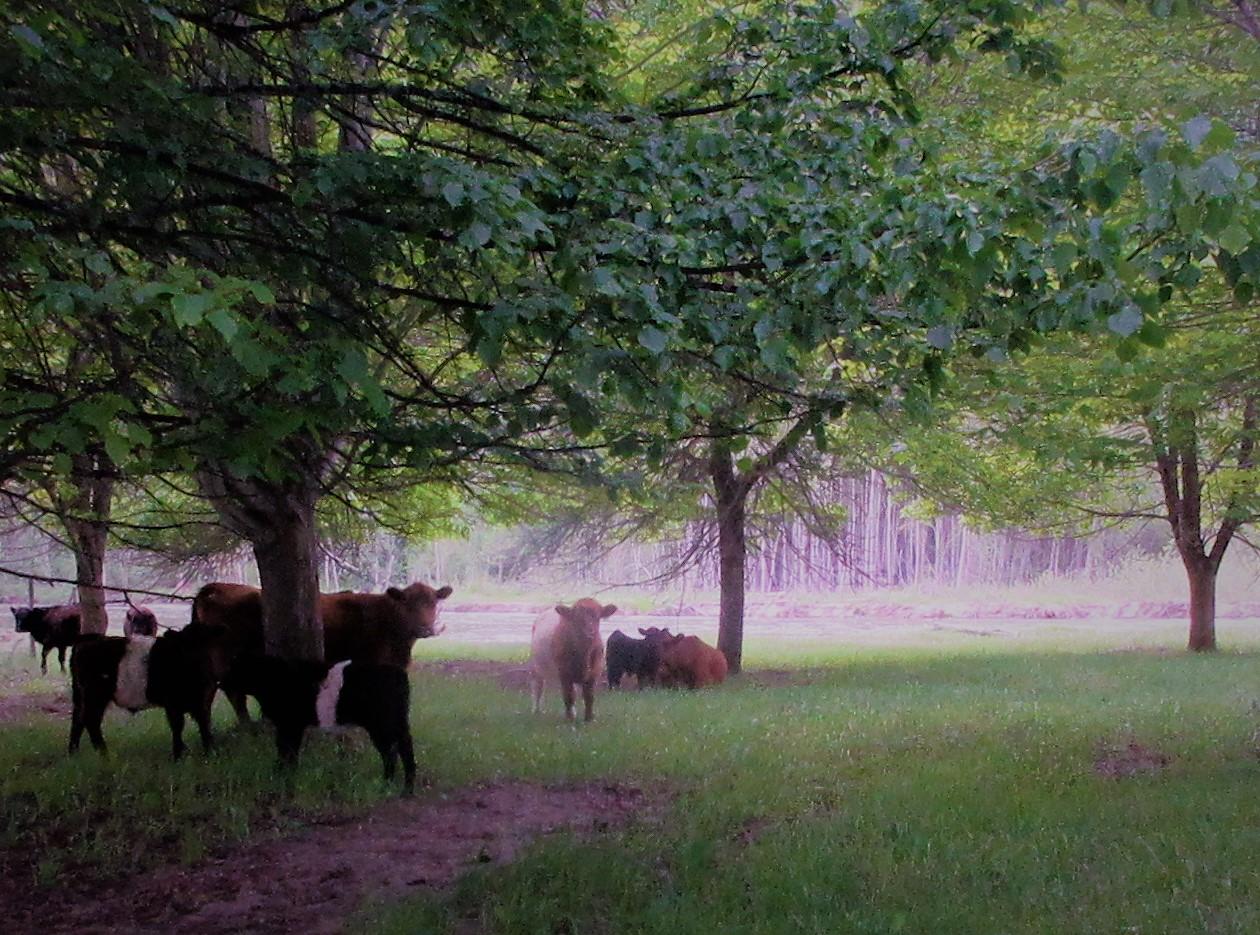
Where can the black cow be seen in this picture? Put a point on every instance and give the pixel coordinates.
(297, 695)
(52, 627)
(179, 671)
(640, 658)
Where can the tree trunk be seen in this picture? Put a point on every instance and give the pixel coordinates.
(288, 571)
(86, 519)
(89, 565)
(1202, 606)
(732, 499)
(278, 519)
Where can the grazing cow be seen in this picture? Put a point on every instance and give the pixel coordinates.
(566, 646)
(52, 627)
(179, 671)
(375, 628)
(140, 621)
(640, 658)
(298, 695)
(691, 662)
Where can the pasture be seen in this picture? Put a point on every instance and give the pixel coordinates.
(948, 782)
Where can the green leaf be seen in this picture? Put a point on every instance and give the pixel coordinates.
(191, 307)
(1196, 130)
(224, 322)
(453, 192)
(262, 293)
(654, 339)
(1235, 238)
(1126, 321)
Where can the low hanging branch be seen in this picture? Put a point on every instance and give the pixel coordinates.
(45, 579)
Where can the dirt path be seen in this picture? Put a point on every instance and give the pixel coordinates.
(313, 882)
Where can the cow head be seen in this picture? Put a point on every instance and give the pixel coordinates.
(656, 634)
(586, 614)
(140, 622)
(419, 603)
(23, 617)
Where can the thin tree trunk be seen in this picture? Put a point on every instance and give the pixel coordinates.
(732, 498)
(86, 519)
(89, 566)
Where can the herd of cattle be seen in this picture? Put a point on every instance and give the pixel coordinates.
(368, 639)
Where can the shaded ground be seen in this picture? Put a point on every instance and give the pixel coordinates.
(1131, 760)
(312, 882)
(19, 707)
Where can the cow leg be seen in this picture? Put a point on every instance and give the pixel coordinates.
(76, 714)
(93, 714)
(202, 717)
(240, 704)
(570, 697)
(387, 747)
(536, 689)
(588, 698)
(43, 660)
(61, 658)
(614, 677)
(408, 761)
(288, 744)
(175, 718)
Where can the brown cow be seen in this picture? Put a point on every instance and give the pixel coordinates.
(376, 628)
(566, 646)
(690, 661)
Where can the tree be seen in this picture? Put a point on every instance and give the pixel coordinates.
(371, 237)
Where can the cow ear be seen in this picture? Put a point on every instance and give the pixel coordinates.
(608, 610)
(563, 611)
(443, 593)
(395, 594)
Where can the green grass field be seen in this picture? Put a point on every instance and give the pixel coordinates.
(910, 790)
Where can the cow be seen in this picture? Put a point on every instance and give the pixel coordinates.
(627, 656)
(52, 627)
(140, 621)
(690, 662)
(179, 672)
(566, 647)
(296, 695)
(376, 628)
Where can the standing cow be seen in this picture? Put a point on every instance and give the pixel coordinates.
(297, 695)
(179, 672)
(566, 647)
(52, 627)
(374, 628)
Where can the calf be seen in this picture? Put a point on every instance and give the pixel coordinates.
(298, 695)
(628, 656)
(179, 672)
(52, 627)
(140, 621)
(566, 646)
(376, 628)
(691, 662)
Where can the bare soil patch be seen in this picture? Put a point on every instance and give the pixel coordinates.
(47, 704)
(313, 882)
(1131, 760)
(510, 675)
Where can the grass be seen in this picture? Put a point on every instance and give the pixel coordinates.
(916, 789)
